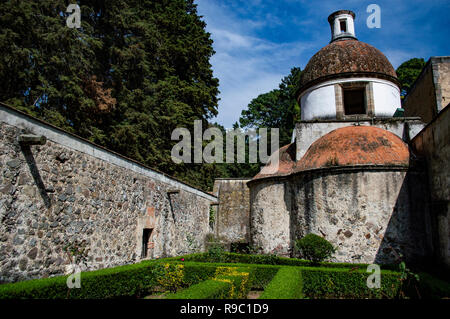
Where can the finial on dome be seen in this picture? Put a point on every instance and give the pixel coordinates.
(342, 25)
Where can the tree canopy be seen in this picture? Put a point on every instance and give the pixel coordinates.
(408, 72)
(131, 74)
(277, 108)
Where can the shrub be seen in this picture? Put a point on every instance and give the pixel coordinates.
(287, 284)
(314, 248)
(432, 287)
(170, 276)
(216, 253)
(195, 273)
(238, 278)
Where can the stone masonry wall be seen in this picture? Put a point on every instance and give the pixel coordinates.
(233, 215)
(54, 195)
(430, 93)
(433, 144)
(369, 216)
(441, 71)
(421, 100)
(270, 217)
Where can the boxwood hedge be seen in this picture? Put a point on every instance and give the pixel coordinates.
(287, 284)
(347, 283)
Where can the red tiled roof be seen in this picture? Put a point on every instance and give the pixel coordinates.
(355, 145)
(347, 146)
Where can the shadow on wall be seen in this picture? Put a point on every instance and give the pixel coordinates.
(408, 235)
(336, 206)
(29, 158)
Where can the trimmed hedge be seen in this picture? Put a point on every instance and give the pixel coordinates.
(208, 289)
(122, 281)
(235, 284)
(287, 284)
(345, 283)
(261, 275)
(140, 279)
(276, 260)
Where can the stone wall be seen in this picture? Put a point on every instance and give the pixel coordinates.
(433, 143)
(270, 216)
(368, 215)
(71, 191)
(441, 70)
(233, 214)
(431, 91)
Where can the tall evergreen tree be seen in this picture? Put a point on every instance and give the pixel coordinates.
(131, 74)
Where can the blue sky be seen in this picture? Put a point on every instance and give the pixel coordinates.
(257, 42)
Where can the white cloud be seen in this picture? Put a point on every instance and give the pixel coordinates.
(246, 64)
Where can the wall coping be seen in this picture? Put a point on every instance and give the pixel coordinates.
(14, 117)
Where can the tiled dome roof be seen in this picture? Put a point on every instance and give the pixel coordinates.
(346, 58)
(355, 145)
(346, 146)
(286, 161)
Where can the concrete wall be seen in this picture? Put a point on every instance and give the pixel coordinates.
(368, 215)
(431, 92)
(433, 143)
(307, 133)
(70, 190)
(233, 214)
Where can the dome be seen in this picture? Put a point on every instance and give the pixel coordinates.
(355, 145)
(286, 161)
(346, 58)
(343, 147)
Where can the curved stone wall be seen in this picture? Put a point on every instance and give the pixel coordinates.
(370, 216)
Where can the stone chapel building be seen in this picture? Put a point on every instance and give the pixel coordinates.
(354, 173)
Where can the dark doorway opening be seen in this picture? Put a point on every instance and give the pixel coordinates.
(354, 101)
(147, 232)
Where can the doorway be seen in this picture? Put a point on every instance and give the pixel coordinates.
(146, 244)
